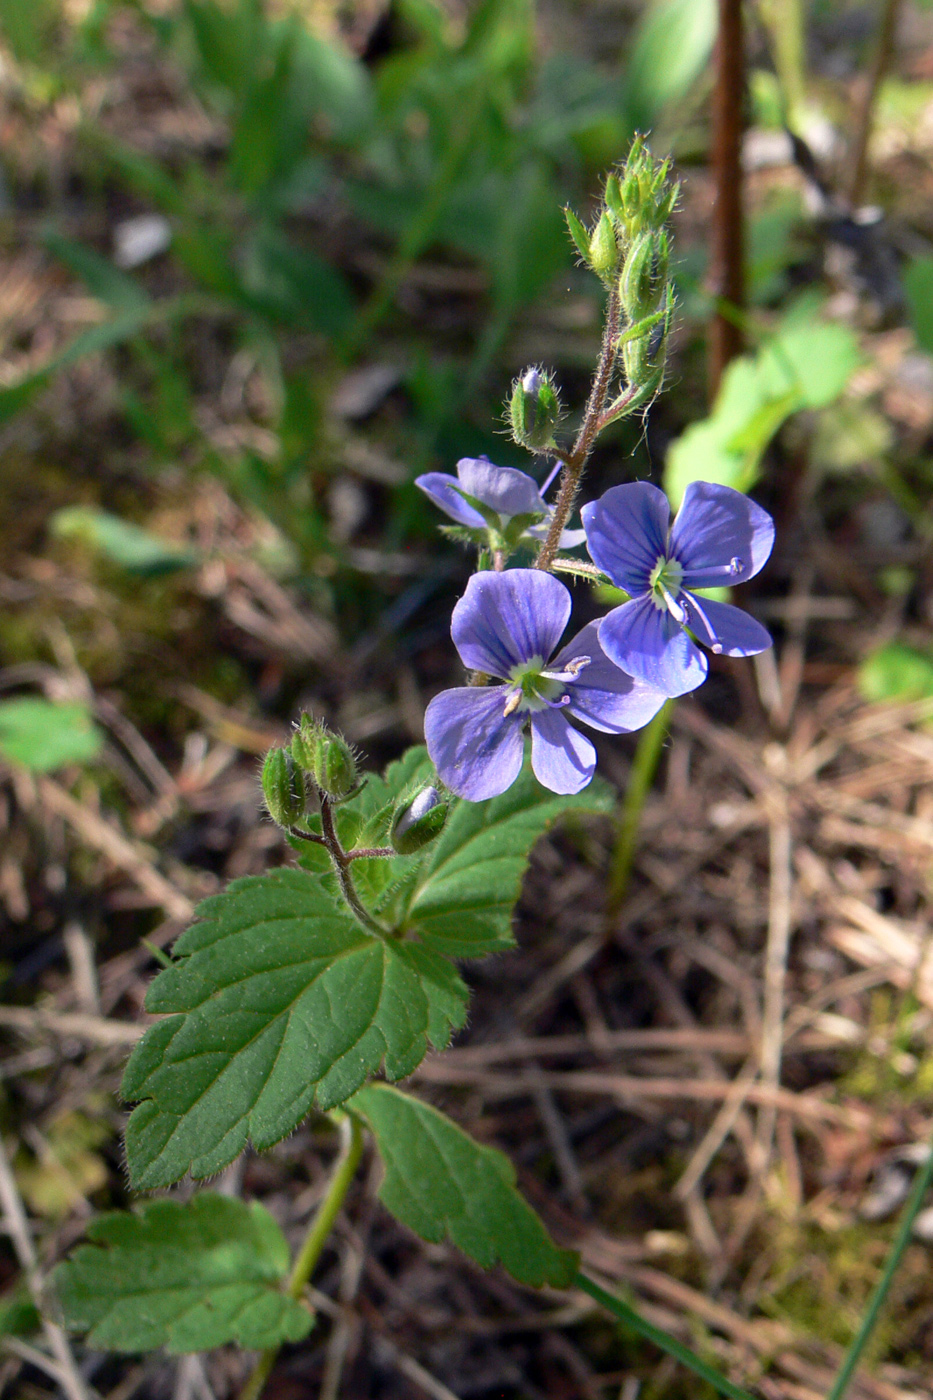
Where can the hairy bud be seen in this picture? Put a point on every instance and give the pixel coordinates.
(534, 411)
(283, 788)
(328, 758)
(604, 249)
(418, 821)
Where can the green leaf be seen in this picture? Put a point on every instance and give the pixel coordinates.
(805, 365)
(293, 285)
(184, 1276)
(918, 289)
(896, 673)
(123, 543)
(41, 735)
(19, 1315)
(280, 1000)
(672, 47)
(461, 899)
(443, 1185)
(102, 279)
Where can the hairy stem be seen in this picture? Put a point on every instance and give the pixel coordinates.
(576, 460)
(351, 1150)
(340, 860)
(650, 743)
(900, 1242)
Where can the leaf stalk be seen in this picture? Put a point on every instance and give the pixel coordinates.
(345, 1168)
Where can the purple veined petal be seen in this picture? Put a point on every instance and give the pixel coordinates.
(476, 748)
(647, 643)
(603, 696)
(736, 631)
(626, 533)
(562, 758)
(442, 490)
(504, 619)
(504, 489)
(716, 528)
(569, 539)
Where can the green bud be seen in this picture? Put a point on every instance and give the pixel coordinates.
(418, 821)
(638, 285)
(534, 411)
(578, 233)
(283, 788)
(604, 250)
(613, 198)
(328, 758)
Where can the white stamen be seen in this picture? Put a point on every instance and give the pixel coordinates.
(570, 671)
(512, 704)
(715, 645)
(673, 607)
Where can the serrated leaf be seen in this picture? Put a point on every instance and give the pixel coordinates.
(462, 897)
(42, 735)
(443, 1185)
(184, 1276)
(281, 1000)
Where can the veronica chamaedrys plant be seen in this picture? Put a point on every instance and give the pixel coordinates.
(508, 625)
(307, 988)
(719, 537)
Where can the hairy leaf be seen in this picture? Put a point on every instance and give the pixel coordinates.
(281, 1000)
(461, 900)
(443, 1185)
(183, 1276)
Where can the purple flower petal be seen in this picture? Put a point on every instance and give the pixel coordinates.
(649, 644)
(569, 539)
(503, 620)
(504, 489)
(626, 533)
(441, 488)
(715, 527)
(737, 632)
(602, 695)
(475, 747)
(562, 758)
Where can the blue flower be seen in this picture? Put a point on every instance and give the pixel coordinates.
(719, 537)
(505, 491)
(508, 625)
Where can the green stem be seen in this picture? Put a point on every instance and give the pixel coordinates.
(644, 767)
(900, 1243)
(643, 1328)
(351, 1150)
(340, 860)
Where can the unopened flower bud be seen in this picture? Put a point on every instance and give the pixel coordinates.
(283, 788)
(417, 822)
(534, 411)
(328, 758)
(638, 285)
(604, 250)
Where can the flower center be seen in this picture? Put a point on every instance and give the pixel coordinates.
(665, 580)
(534, 688)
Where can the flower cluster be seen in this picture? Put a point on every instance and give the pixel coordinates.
(616, 673)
